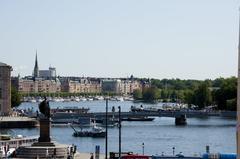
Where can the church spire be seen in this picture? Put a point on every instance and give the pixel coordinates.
(36, 70)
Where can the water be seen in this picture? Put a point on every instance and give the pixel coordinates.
(158, 136)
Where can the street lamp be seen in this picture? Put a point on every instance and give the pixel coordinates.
(106, 127)
(119, 127)
(143, 148)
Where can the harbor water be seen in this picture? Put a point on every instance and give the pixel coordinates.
(159, 136)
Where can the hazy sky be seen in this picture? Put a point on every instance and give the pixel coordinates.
(186, 39)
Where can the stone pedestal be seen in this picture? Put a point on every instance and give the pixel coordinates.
(44, 130)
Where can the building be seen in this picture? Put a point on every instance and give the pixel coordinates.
(5, 89)
(81, 85)
(36, 69)
(111, 86)
(48, 74)
(28, 85)
(128, 86)
(45, 74)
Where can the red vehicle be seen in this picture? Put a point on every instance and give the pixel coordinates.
(135, 157)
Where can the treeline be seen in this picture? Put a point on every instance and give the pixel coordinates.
(221, 92)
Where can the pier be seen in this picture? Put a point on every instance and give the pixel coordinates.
(17, 122)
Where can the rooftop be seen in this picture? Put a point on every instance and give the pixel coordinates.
(3, 64)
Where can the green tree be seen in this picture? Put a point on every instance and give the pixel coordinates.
(227, 91)
(202, 95)
(137, 94)
(150, 94)
(15, 97)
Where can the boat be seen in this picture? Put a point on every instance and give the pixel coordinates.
(6, 152)
(9, 144)
(138, 119)
(95, 132)
(70, 110)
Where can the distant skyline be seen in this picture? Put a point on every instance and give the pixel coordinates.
(146, 38)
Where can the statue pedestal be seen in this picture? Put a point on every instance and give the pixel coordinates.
(44, 130)
(44, 139)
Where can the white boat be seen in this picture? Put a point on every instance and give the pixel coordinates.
(83, 99)
(90, 99)
(77, 99)
(32, 100)
(120, 99)
(6, 151)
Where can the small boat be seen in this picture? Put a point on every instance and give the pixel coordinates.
(96, 132)
(138, 119)
(6, 152)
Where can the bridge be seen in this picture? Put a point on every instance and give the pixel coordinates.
(166, 113)
(67, 117)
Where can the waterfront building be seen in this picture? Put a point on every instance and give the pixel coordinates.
(111, 86)
(38, 86)
(128, 86)
(5, 89)
(80, 85)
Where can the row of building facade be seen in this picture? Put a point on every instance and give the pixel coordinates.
(78, 85)
(46, 81)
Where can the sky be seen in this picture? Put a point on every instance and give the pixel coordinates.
(187, 39)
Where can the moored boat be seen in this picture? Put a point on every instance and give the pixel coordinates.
(138, 119)
(96, 132)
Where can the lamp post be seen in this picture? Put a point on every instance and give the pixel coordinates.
(119, 127)
(106, 127)
(173, 150)
(143, 148)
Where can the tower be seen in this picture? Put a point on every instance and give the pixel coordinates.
(36, 70)
(5, 89)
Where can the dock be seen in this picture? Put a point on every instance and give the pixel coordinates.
(17, 122)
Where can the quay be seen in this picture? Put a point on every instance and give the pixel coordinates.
(17, 122)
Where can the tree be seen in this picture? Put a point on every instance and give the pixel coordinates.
(202, 95)
(227, 91)
(15, 97)
(137, 94)
(150, 94)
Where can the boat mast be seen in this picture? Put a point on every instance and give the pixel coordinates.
(238, 96)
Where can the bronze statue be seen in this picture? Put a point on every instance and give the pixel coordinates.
(44, 108)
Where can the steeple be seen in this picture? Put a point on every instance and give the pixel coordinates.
(36, 70)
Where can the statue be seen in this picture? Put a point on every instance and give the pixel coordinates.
(44, 108)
